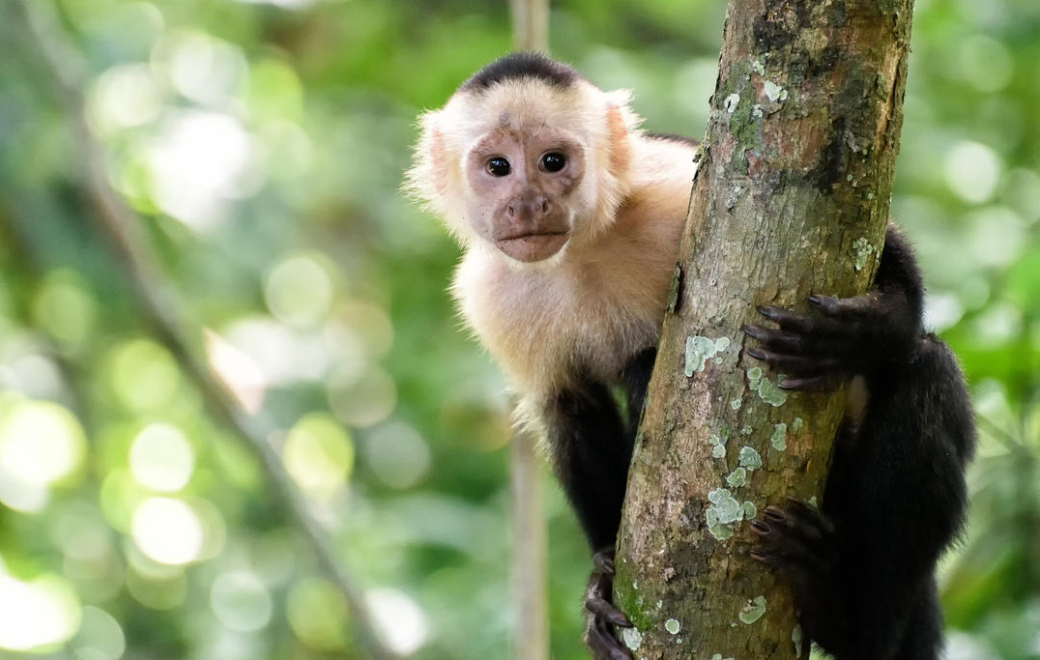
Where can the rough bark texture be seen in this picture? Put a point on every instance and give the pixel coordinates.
(791, 198)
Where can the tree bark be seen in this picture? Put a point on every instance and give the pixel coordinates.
(791, 198)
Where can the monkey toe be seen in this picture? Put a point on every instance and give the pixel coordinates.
(794, 539)
(857, 307)
(603, 560)
(604, 609)
(603, 644)
(602, 616)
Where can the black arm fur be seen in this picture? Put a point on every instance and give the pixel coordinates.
(863, 566)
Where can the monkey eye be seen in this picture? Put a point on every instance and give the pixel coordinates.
(498, 167)
(553, 161)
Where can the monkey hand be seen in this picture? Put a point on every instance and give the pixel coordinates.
(800, 544)
(845, 337)
(602, 617)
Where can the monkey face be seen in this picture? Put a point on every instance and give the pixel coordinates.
(523, 186)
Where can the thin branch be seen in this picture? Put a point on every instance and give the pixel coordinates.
(161, 306)
(530, 545)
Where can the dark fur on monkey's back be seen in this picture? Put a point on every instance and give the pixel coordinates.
(523, 65)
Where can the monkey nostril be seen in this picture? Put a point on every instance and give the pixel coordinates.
(511, 211)
(545, 206)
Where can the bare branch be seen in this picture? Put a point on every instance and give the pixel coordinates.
(161, 306)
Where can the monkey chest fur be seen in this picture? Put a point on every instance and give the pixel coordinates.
(548, 327)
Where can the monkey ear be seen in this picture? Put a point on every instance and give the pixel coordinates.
(429, 179)
(439, 160)
(617, 138)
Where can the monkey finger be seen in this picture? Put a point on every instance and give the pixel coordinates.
(778, 340)
(786, 319)
(799, 366)
(805, 515)
(811, 326)
(811, 384)
(788, 553)
(608, 612)
(604, 645)
(603, 560)
(857, 306)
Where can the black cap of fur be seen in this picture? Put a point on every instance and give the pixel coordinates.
(523, 65)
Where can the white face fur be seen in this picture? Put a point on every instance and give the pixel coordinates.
(525, 168)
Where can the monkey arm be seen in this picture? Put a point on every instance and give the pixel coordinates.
(591, 449)
(897, 495)
(863, 568)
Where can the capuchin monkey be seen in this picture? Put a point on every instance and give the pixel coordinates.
(570, 217)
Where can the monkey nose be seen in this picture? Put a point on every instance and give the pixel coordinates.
(529, 209)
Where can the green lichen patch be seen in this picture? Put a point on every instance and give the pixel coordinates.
(750, 510)
(747, 430)
(863, 249)
(750, 459)
(774, 92)
(672, 626)
(731, 102)
(700, 349)
(723, 514)
(779, 437)
(796, 426)
(632, 637)
(754, 376)
(771, 393)
(735, 404)
(753, 610)
(718, 656)
(737, 478)
(798, 637)
(718, 446)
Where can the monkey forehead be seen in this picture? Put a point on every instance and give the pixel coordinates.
(528, 107)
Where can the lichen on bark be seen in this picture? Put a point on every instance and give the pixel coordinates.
(793, 186)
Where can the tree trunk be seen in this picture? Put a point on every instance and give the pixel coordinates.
(791, 198)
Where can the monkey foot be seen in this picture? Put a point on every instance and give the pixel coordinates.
(602, 616)
(799, 543)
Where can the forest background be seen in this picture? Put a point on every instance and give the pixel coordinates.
(260, 147)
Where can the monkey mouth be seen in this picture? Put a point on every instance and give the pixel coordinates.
(532, 245)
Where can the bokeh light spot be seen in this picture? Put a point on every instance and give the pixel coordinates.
(985, 63)
(144, 375)
(167, 531)
(124, 96)
(973, 171)
(401, 622)
(397, 454)
(100, 636)
(198, 162)
(363, 401)
(40, 442)
(240, 601)
(299, 291)
(318, 615)
(64, 308)
(319, 454)
(39, 613)
(161, 458)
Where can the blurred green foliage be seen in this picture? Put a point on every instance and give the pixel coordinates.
(262, 144)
